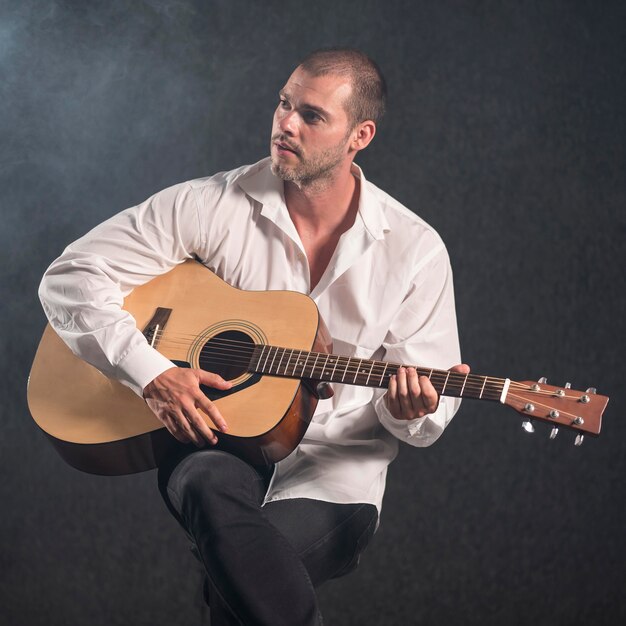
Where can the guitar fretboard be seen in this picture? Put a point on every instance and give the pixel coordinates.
(275, 361)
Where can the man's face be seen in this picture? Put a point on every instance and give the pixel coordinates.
(311, 129)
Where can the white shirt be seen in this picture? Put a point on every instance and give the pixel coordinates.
(386, 294)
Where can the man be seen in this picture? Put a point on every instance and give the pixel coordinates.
(306, 220)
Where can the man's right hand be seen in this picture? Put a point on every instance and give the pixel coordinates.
(175, 397)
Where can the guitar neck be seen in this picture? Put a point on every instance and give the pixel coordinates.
(332, 368)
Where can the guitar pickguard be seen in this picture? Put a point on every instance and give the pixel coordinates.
(215, 394)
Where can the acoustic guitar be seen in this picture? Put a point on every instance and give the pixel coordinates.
(275, 349)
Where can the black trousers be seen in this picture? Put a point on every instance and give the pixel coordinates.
(262, 563)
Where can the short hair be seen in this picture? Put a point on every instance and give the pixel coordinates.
(369, 89)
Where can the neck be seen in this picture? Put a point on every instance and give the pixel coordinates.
(324, 204)
(321, 366)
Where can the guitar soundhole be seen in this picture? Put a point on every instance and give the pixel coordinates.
(228, 354)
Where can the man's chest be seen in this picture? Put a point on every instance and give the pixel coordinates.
(319, 252)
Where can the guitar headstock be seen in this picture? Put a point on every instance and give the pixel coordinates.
(561, 407)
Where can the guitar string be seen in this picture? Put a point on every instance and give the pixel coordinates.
(247, 345)
(470, 385)
(473, 383)
(213, 356)
(489, 393)
(546, 406)
(352, 369)
(348, 368)
(469, 382)
(243, 344)
(479, 390)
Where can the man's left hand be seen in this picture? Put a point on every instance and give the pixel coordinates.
(411, 396)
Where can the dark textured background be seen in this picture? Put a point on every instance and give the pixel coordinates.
(505, 131)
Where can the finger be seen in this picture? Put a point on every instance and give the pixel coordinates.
(212, 411)
(197, 420)
(181, 416)
(430, 397)
(406, 404)
(199, 425)
(163, 414)
(212, 380)
(174, 429)
(463, 368)
(414, 387)
(392, 396)
(217, 382)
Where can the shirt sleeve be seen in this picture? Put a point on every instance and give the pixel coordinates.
(82, 292)
(424, 333)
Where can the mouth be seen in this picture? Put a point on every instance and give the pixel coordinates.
(283, 147)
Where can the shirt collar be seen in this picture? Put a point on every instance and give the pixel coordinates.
(371, 209)
(261, 185)
(268, 190)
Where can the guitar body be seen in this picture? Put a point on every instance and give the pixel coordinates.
(100, 426)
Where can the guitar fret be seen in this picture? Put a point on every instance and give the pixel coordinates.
(298, 363)
(281, 358)
(273, 359)
(314, 364)
(258, 361)
(303, 363)
(269, 351)
(324, 372)
(291, 353)
(480, 395)
(443, 391)
(332, 375)
(345, 370)
(358, 367)
(382, 377)
(368, 376)
(464, 382)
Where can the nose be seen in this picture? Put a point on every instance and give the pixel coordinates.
(287, 122)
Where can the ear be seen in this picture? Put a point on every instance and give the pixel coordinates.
(362, 135)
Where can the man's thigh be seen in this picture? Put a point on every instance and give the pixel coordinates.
(328, 537)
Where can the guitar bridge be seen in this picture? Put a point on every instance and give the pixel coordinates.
(154, 329)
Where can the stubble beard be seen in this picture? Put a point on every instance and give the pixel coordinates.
(315, 172)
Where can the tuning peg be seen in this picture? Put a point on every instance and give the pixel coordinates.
(543, 380)
(568, 385)
(592, 390)
(579, 439)
(527, 425)
(554, 432)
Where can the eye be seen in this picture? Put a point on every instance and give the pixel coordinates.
(282, 103)
(311, 117)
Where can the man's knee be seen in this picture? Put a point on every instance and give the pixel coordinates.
(206, 475)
